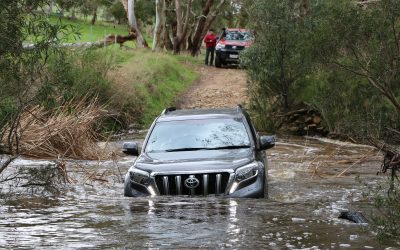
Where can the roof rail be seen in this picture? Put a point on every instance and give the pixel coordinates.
(167, 110)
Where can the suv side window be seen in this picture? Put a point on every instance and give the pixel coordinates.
(253, 130)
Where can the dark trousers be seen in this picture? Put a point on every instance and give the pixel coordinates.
(210, 50)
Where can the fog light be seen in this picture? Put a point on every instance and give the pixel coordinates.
(151, 191)
(233, 188)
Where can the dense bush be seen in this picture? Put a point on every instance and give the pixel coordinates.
(385, 216)
(278, 59)
(340, 57)
(76, 74)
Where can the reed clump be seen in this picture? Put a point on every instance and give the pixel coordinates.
(68, 131)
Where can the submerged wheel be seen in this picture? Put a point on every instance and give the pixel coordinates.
(218, 62)
(127, 187)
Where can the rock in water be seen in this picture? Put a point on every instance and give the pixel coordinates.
(353, 216)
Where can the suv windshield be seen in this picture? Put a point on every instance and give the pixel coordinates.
(191, 135)
(238, 36)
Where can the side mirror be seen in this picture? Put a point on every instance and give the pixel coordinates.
(130, 148)
(266, 142)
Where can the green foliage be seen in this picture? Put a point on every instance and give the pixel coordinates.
(385, 218)
(87, 32)
(134, 86)
(7, 109)
(358, 48)
(340, 56)
(278, 59)
(117, 11)
(362, 41)
(152, 81)
(67, 4)
(145, 11)
(349, 105)
(77, 75)
(21, 69)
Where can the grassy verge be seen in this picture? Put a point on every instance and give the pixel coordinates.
(92, 33)
(152, 81)
(135, 85)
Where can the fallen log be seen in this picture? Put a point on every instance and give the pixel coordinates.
(108, 40)
(121, 39)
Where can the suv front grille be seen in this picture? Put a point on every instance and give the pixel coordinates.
(212, 183)
(234, 47)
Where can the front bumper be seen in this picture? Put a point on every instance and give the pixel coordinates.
(162, 184)
(228, 55)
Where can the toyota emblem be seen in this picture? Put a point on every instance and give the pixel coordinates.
(234, 47)
(192, 182)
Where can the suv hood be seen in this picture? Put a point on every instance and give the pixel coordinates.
(202, 160)
(235, 42)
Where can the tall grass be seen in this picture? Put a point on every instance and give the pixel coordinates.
(134, 85)
(154, 79)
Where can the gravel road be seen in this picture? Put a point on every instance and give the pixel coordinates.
(216, 88)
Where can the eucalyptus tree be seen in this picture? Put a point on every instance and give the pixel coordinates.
(208, 14)
(129, 6)
(159, 26)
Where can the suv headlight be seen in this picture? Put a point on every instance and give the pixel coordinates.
(220, 46)
(139, 176)
(243, 174)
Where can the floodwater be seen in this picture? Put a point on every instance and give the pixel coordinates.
(310, 182)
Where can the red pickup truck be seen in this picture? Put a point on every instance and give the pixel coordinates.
(231, 44)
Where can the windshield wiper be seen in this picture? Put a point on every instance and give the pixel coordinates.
(184, 149)
(216, 148)
(230, 147)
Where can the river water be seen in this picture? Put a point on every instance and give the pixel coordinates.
(310, 182)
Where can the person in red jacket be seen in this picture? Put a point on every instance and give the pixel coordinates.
(211, 40)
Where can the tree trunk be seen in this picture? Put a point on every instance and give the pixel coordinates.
(167, 40)
(187, 40)
(125, 4)
(129, 6)
(303, 8)
(159, 29)
(204, 24)
(197, 38)
(94, 18)
(182, 24)
(189, 43)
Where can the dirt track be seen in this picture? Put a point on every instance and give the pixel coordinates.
(216, 88)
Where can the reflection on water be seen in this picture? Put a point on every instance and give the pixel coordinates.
(302, 211)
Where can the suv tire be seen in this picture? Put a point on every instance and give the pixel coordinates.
(218, 63)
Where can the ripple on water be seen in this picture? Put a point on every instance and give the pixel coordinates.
(301, 214)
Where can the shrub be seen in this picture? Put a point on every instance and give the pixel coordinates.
(385, 218)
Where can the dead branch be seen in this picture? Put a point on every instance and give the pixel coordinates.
(5, 164)
(392, 155)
